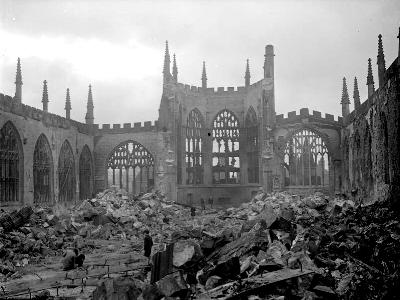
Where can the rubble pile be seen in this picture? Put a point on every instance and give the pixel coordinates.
(337, 249)
(28, 235)
(274, 246)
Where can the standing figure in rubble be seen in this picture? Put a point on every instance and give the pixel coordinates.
(210, 201)
(148, 244)
(203, 204)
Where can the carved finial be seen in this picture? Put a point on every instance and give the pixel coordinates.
(345, 100)
(89, 108)
(204, 76)
(175, 70)
(68, 106)
(18, 83)
(45, 97)
(370, 79)
(345, 94)
(381, 62)
(356, 94)
(247, 74)
(167, 64)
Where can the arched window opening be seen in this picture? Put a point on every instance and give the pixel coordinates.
(306, 161)
(85, 174)
(194, 148)
(356, 159)
(11, 164)
(66, 174)
(131, 166)
(385, 152)
(226, 162)
(252, 146)
(42, 171)
(179, 133)
(368, 156)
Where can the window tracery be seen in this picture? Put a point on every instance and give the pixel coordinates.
(194, 148)
(66, 173)
(131, 166)
(10, 164)
(225, 161)
(42, 171)
(306, 160)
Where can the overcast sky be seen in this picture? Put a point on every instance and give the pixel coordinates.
(118, 47)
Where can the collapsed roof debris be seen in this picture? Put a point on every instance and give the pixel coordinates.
(276, 246)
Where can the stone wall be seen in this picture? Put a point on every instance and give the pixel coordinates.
(371, 143)
(30, 123)
(156, 142)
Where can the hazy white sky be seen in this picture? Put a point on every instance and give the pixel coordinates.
(118, 47)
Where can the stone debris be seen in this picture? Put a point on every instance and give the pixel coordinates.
(311, 247)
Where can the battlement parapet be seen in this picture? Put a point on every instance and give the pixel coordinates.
(8, 104)
(305, 114)
(126, 127)
(219, 91)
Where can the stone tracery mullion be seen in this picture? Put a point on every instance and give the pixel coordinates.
(308, 165)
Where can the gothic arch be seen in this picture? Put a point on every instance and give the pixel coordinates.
(66, 173)
(252, 146)
(194, 142)
(11, 165)
(306, 159)
(356, 158)
(133, 165)
(42, 171)
(367, 154)
(225, 148)
(198, 114)
(85, 174)
(223, 111)
(251, 117)
(179, 145)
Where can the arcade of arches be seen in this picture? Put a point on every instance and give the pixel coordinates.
(220, 147)
(12, 170)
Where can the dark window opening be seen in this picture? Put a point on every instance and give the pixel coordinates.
(66, 174)
(194, 148)
(225, 161)
(42, 172)
(306, 160)
(131, 166)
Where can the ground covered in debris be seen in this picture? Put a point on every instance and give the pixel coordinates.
(276, 246)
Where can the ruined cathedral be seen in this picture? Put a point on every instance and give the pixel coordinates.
(225, 143)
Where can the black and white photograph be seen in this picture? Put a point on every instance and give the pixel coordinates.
(199, 149)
